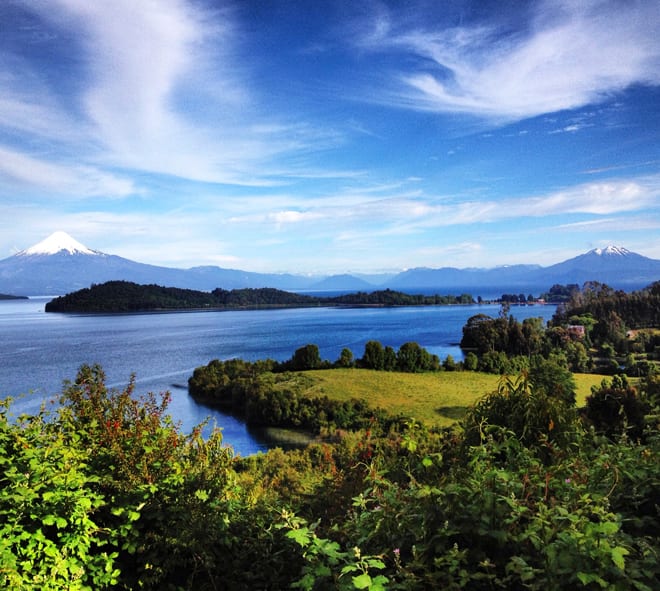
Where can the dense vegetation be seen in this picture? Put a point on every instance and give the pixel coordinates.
(124, 296)
(596, 329)
(106, 493)
(528, 492)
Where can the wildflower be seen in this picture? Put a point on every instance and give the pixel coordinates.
(396, 551)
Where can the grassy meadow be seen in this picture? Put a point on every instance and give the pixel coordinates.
(433, 398)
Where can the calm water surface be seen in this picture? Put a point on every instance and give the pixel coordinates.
(38, 351)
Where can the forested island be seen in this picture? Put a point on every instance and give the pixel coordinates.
(125, 296)
(530, 487)
(4, 296)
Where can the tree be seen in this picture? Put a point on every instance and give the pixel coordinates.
(374, 356)
(480, 333)
(533, 335)
(409, 357)
(307, 357)
(413, 358)
(578, 357)
(470, 362)
(345, 358)
(449, 364)
(389, 359)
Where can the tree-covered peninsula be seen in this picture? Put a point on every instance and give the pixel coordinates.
(5, 296)
(126, 297)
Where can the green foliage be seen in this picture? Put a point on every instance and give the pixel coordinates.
(560, 293)
(108, 494)
(503, 344)
(304, 358)
(345, 358)
(449, 364)
(410, 357)
(502, 518)
(552, 378)
(470, 362)
(593, 329)
(51, 534)
(388, 297)
(529, 413)
(615, 312)
(125, 296)
(616, 408)
(166, 488)
(263, 397)
(327, 566)
(413, 358)
(374, 356)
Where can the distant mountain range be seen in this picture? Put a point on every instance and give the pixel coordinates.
(59, 264)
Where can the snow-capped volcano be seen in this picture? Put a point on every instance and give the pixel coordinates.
(610, 251)
(60, 264)
(55, 243)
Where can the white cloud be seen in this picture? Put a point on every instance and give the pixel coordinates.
(160, 86)
(64, 180)
(572, 54)
(142, 59)
(342, 216)
(613, 224)
(572, 128)
(601, 198)
(291, 217)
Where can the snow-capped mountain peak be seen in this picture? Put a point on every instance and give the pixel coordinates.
(58, 242)
(611, 250)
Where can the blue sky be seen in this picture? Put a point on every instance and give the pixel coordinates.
(330, 137)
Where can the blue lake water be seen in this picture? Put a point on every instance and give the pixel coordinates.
(38, 351)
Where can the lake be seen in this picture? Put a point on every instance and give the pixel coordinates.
(38, 351)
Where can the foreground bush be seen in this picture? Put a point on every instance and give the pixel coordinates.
(52, 534)
(107, 493)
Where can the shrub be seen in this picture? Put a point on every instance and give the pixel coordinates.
(616, 408)
(529, 414)
(51, 533)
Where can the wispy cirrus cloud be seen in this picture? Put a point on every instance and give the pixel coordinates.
(161, 87)
(406, 212)
(68, 181)
(596, 199)
(567, 55)
(613, 224)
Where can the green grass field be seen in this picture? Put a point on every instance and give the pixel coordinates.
(433, 398)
